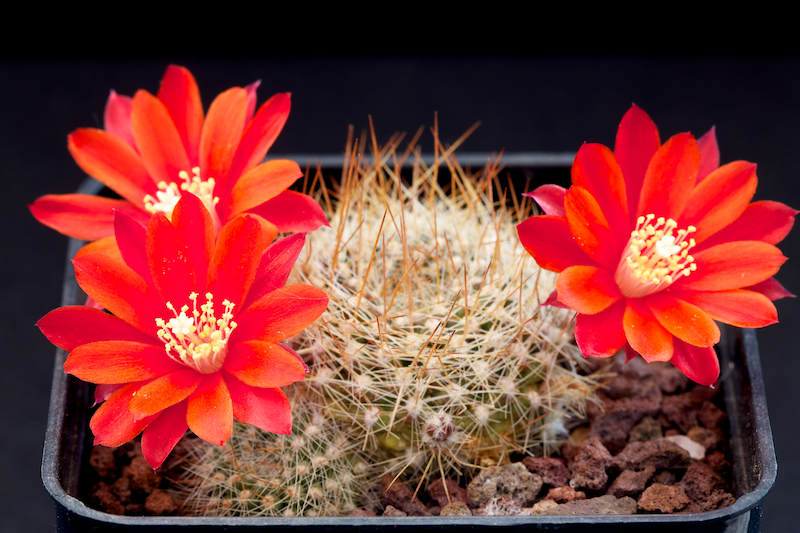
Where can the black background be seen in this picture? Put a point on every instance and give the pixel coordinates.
(543, 103)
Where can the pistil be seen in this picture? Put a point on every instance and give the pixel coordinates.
(200, 340)
(657, 254)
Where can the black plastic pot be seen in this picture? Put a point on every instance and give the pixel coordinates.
(68, 440)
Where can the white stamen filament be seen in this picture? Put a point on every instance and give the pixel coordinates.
(169, 194)
(655, 257)
(199, 341)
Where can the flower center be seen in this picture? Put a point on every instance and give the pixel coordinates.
(169, 193)
(200, 340)
(655, 257)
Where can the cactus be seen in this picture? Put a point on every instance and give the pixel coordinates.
(434, 355)
(315, 471)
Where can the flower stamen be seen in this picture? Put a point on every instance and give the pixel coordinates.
(169, 194)
(200, 340)
(657, 254)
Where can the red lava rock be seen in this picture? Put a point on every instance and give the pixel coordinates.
(513, 480)
(503, 505)
(552, 470)
(660, 453)
(362, 512)
(390, 510)
(700, 482)
(711, 416)
(680, 410)
(600, 505)
(569, 451)
(717, 461)
(122, 490)
(589, 468)
(134, 509)
(710, 439)
(663, 498)
(614, 425)
(717, 500)
(669, 378)
(665, 477)
(143, 478)
(456, 492)
(103, 462)
(160, 503)
(647, 429)
(401, 497)
(631, 482)
(564, 494)
(103, 499)
(456, 509)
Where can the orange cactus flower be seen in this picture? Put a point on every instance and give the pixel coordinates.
(654, 243)
(156, 148)
(194, 335)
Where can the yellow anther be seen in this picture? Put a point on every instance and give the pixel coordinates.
(169, 194)
(199, 341)
(657, 255)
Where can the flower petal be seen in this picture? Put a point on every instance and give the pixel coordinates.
(275, 266)
(644, 333)
(160, 437)
(601, 335)
(82, 216)
(280, 314)
(235, 260)
(118, 362)
(72, 326)
(267, 409)
(169, 261)
(262, 183)
(195, 227)
(772, 289)
(688, 322)
(263, 364)
(720, 199)
(181, 98)
(596, 170)
(671, 174)
(130, 238)
(292, 211)
(251, 99)
(709, 154)
(113, 162)
(636, 144)
(260, 133)
(222, 132)
(740, 308)
(116, 287)
(165, 391)
(700, 364)
(157, 138)
(553, 300)
(732, 265)
(549, 240)
(117, 118)
(550, 198)
(112, 424)
(590, 229)
(587, 289)
(210, 411)
(762, 221)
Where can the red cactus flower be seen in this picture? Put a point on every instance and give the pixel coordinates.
(155, 148)
(193, 338)
(654, 243)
